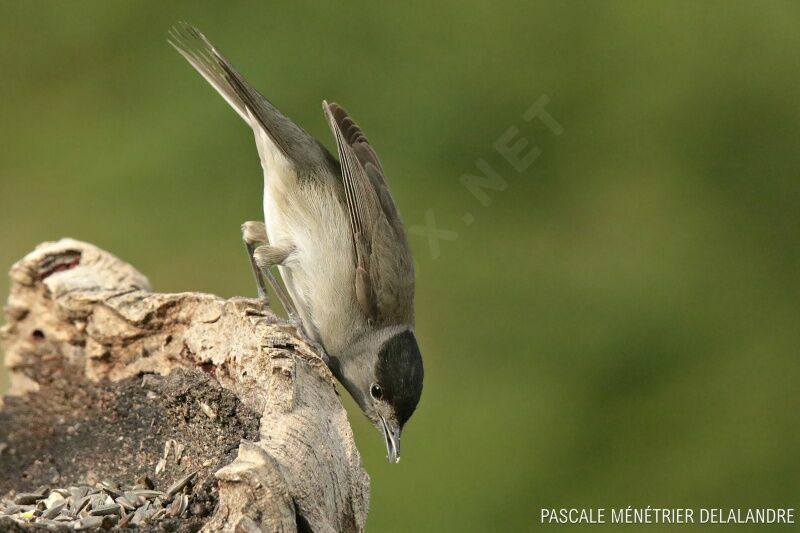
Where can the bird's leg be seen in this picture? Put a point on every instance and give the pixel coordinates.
(266, 256)
(254, 233)
(261, 259)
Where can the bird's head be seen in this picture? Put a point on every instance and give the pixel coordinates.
(384, 376)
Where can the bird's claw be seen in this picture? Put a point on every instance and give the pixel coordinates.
(294, 326)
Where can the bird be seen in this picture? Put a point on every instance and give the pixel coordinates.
(332, 229)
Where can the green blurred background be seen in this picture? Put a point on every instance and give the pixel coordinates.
(618, 327)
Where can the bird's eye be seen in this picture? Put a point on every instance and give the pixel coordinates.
(376, 391)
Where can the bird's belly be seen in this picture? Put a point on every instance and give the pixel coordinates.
(320, 273)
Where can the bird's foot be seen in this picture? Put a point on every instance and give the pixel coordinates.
(294, 326)
(252, 234)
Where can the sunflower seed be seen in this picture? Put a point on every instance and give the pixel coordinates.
(145, 493)
(105, 509)
(11, 508)
(174, 507)
(78, 505)
(54, 499)
(178, 485)
(140, 515)
(110, 488)
(97, 500)
(134, 499)
(123, 502)
(125, 520)
(184, 504)
(67, 514)
(54, 510)
(27, 498)
(105, 504)
(110, 521)
(76, 493)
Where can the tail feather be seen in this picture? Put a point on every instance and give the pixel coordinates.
(290, 139)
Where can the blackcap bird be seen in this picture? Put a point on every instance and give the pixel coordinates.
(334, 233)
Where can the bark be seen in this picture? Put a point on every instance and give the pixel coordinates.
(105, 374)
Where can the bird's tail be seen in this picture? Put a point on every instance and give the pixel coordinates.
(292, 141)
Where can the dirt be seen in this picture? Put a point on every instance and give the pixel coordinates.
(73, 431)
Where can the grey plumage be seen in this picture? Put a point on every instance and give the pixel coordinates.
(384, 267)
(336, 236)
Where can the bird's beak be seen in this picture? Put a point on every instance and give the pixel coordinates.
(391, 434)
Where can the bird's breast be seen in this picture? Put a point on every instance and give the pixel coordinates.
(320, 272)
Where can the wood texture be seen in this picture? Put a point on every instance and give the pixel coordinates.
(74, 308)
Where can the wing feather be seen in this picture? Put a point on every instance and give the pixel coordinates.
(384, 268)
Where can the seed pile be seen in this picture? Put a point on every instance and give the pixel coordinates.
(105, 505)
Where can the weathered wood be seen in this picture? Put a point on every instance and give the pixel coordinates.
(81, 323)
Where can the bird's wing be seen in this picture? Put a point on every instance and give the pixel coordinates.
(384, 280)
(292, 142)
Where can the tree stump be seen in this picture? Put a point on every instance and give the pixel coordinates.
(115, 389)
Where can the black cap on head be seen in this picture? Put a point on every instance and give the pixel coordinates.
(399, 372)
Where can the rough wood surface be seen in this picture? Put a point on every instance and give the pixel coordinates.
(84, 333)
